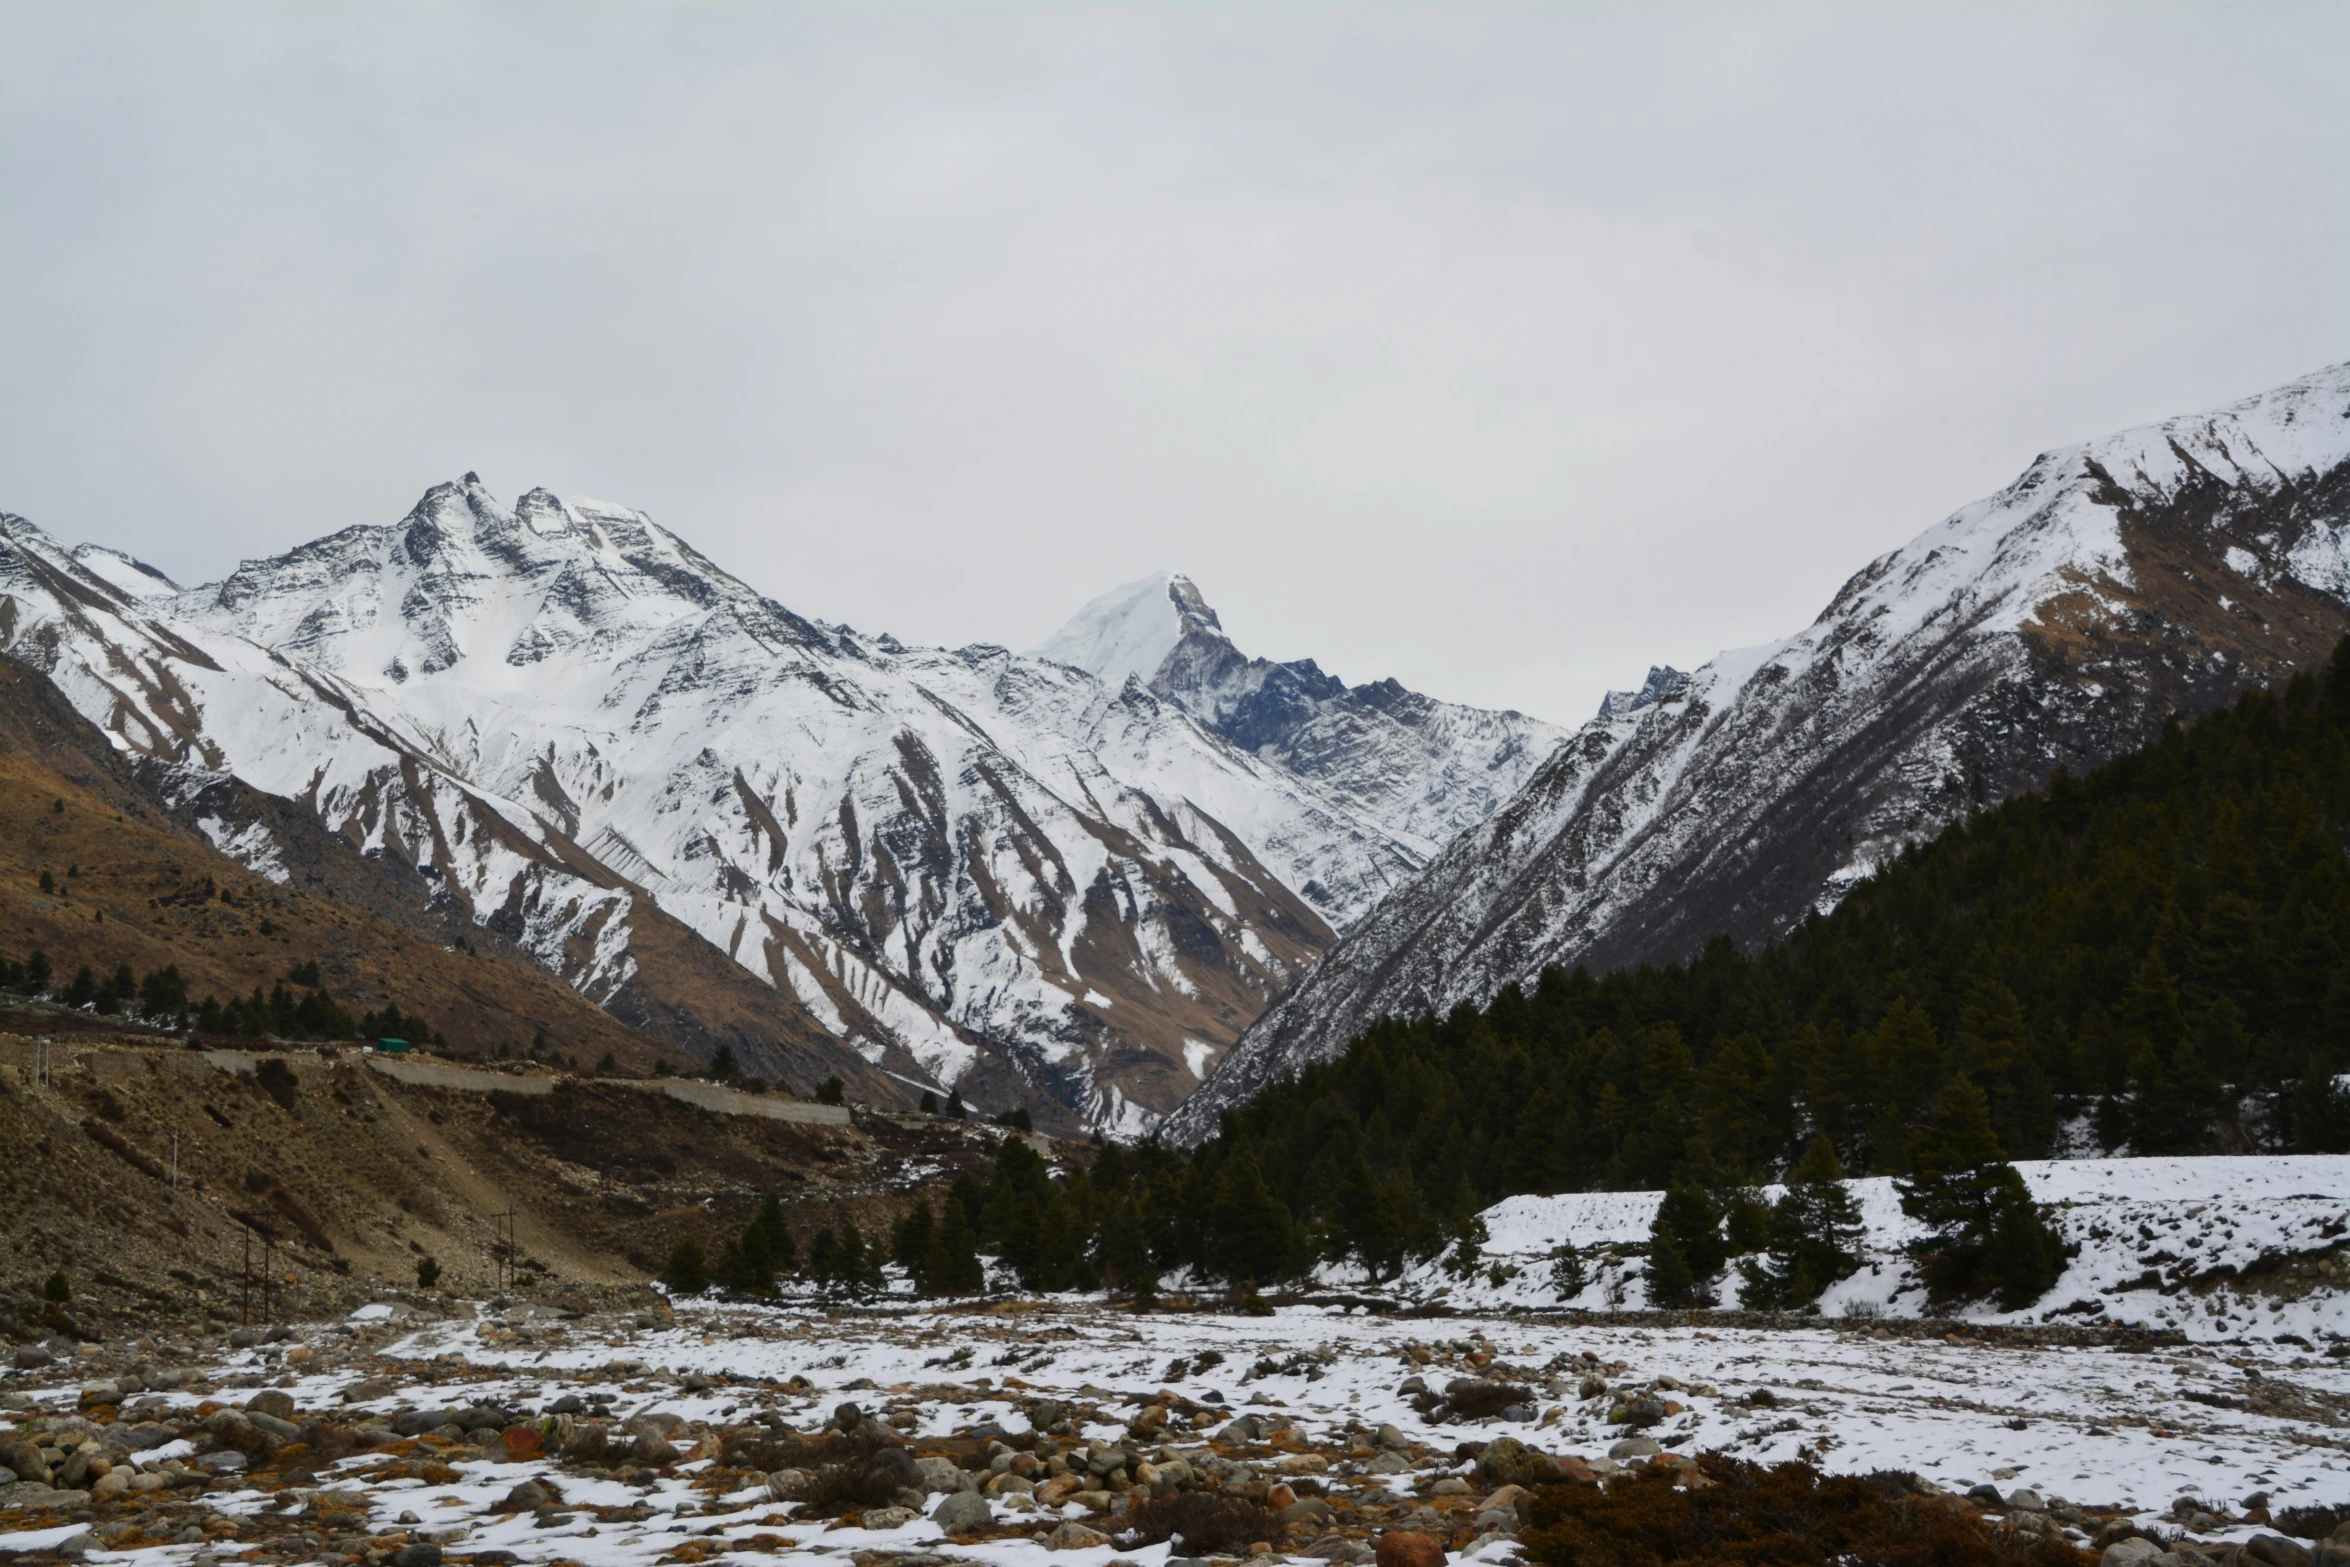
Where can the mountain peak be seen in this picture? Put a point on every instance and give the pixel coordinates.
(1664, 682)
(1132, 629)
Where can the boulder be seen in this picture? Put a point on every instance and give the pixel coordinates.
(1074, 1536)
(1409, 1548)
(1511, 1462)
(892, 1469)
(528, 1497)
(1635, 1447)
(2129, 1553)
(888, 1517)
(964, 1512)
(263, 1420)
(25, 1459)
(940, 1474)
(421, 1554)
(271, 1401)
(522, 1443)
(368, 1391)
(2274, 1550)
(1309, 1511)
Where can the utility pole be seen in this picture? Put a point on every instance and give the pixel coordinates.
(502, 1250)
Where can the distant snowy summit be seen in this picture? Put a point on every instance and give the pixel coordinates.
(1423, 769)
(2059, 622)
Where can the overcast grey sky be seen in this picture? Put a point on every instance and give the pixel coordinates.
(1505, 350)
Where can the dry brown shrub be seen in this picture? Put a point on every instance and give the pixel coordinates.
(1481, 1400)
(1210, 1525)
(1785, 1516)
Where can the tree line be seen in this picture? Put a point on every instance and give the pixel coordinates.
(161, 998)
(2157, 953)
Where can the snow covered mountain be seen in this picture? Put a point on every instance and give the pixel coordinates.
(725, 821)
(2056, 623)
(1423, 769)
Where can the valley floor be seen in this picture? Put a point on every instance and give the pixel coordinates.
(2107, 1428)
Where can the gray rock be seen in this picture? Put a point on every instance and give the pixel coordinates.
(1307, 1509)
(2274, 1550)
(421, 1554)
(2027, 1500)
(283, 1430)
(1411, 1386)
(1388, 1464)
(528, 1497)
(940, 1475)
(1391, 1438)
(271, 1401)
(1988, 1495)
(32, 1357)
(24, 1458)
(1636, 1447)
(888, 1518)
(2129, 1553)
(965, 1512)
(228, 1461)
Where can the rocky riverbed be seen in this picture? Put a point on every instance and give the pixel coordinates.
(603, 1427)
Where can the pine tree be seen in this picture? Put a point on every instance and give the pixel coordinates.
(824, 1259)
(909, 1242)
(1984, 1233)
(857, 1265)
(1689, 1221)
(1815, 1237)
(688, 1272)
(952, 1266)
(1670, 1283)
(2320, 1106)
(1250, 1232)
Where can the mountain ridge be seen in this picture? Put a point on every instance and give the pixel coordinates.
(982, 871)
(2057, 622)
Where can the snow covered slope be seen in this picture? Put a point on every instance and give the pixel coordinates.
(982, 871)
(2056, 623)
(2215, 1248)
(1423, 769)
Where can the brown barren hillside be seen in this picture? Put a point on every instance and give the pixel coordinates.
(352, 1177)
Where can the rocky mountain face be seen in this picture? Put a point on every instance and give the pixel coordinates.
(722, 822)
(2054, 624)
(1422, 769)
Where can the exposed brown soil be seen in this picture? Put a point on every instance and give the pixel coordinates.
(352, 1177)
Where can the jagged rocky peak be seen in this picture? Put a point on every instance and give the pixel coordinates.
(1664, 682)
(1422, 768)
(1131, 631)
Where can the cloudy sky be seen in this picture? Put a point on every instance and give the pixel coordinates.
(1505, 349)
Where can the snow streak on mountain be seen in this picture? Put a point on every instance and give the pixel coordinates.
(980, 870)
(2057, 623)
